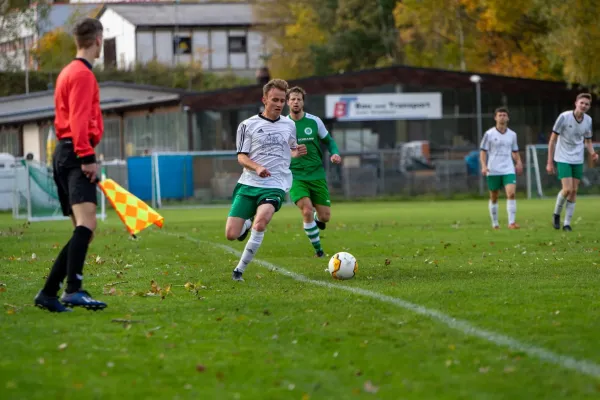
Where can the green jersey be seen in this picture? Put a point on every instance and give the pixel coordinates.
(311, 131)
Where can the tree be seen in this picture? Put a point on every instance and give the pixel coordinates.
(55, 50)
(291, 29)
(19, 23)
(573, 43)
(479, 35)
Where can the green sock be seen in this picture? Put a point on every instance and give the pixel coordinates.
(312, 232)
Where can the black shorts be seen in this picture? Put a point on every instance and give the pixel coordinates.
(72, 185)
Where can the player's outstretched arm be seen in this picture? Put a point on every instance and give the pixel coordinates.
(551, 148)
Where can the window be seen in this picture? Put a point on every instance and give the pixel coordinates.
(182, 45)
(237, 44)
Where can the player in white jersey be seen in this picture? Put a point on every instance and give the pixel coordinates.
(266, 144)
(571, 135)
(499, 149)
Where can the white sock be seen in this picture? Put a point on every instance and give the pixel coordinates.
(511, 207)
(560, 202)
(569, 212)
(247, 225)
(494, 213)
(250, 250)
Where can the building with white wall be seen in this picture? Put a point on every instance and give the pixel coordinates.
(221, 36)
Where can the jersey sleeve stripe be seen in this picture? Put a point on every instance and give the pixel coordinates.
(242, 137)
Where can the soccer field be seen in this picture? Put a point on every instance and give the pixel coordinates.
(442, 307)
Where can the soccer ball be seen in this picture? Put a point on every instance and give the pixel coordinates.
(343, 266)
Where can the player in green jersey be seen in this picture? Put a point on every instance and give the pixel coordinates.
(309, 188)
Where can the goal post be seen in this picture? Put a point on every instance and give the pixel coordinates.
(193, 178)
(540, 184)
(35, 196)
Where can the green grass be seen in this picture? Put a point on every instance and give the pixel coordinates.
(272, 337)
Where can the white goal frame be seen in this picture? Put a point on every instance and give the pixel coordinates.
(29, 214)
(533, 171)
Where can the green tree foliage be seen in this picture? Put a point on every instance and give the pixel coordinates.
(181, 77)
(54, 50)
(19, 23)
(573, 43)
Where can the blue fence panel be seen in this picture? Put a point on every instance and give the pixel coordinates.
(176, 177)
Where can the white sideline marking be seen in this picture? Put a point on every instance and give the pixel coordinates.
(582, 366)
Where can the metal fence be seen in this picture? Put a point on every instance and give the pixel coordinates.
(210, 177)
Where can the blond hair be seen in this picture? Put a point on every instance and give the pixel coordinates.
(584, 96)
(275, 84)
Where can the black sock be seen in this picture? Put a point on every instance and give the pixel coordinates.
(77, 252)
(57, 273)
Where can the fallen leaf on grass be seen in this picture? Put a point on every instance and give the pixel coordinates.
(370, 388)
(62, 346)
(200, 368)
(387, 261)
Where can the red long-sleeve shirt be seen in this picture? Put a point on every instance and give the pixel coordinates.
(77, 109)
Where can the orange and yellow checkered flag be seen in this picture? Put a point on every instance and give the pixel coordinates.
(135, 214)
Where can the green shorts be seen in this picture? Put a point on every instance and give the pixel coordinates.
(569, 170)
(316, 190)
(497, 182)
(246, 200)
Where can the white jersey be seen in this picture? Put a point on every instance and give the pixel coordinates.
(571, 134)
(499, 147)
(268, 143)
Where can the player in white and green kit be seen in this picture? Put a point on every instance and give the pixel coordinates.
(571, 134)
(499, 149)
(309, 189)
(266, 144)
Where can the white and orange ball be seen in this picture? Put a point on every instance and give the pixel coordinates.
(343, 266)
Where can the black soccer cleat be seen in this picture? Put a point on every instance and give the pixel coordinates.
(556, 221)
(567, 228)
(82, 298)
(244, 235)
(237, 276)
(320, 225)
(320, 254)
(49, 303)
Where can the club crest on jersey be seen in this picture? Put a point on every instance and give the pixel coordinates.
(308, 131)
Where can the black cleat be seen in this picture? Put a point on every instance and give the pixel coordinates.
(320, 225)
(320, 254)
(244, 235)
(237, 276)
(556, 221)
(49, 303)
(567, 228)
(82, 298)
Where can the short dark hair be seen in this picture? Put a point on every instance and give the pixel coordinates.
(501, 110)
(85, 32)
(584, 96)
(297, 89)
(277, 84)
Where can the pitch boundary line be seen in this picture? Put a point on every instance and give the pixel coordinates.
(582, 366)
